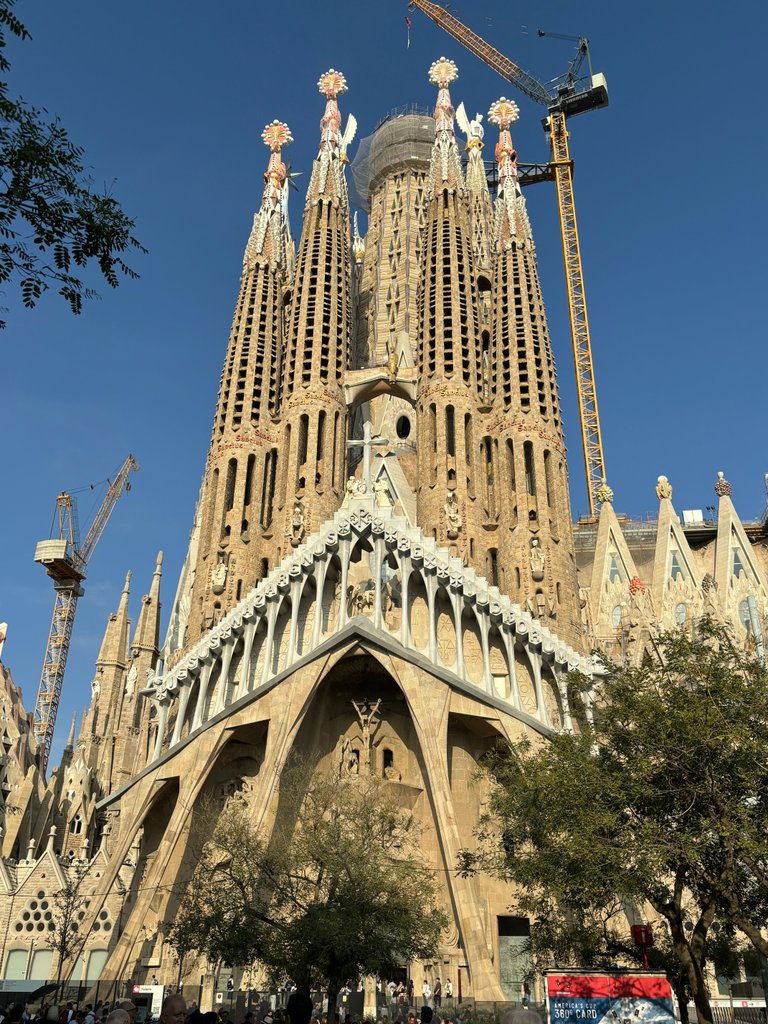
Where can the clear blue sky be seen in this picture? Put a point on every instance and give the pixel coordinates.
(169, 100)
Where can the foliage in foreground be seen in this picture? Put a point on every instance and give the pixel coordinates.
(52, 222)
(338, 891)
(661, 804)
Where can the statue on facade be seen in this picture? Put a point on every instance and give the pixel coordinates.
(219, 574)
(130, 682)
(453, 523)
(537, 559)
(296, 532)
(368, 713)
(381, 493)
(391, 361)
(362, 597)
(663, 488)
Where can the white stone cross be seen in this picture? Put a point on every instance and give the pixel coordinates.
(366, 444)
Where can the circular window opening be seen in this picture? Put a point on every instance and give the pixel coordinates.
(104, 915)
(403, 427)
(41, 895)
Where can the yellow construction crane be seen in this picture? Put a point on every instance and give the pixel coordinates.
(66, 562)
(566, 100)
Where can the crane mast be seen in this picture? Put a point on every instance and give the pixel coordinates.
(66, 562)
(565, 102)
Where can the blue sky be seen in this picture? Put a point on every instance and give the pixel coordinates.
(169, 100)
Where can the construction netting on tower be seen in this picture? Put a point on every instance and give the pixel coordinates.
(404, 138)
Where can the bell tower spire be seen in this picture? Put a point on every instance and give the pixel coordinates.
(314, 420)
(449, 386)
(237, 497)
(526, 476)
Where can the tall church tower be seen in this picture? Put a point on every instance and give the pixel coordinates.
(523, 450)
(317, 354)
(236, 513)
(448, 382)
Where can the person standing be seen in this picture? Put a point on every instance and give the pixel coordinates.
(438, 994)
(426, 993)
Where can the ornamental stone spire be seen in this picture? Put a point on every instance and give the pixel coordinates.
(328, 181)
(318, 340)
(237, 496)
(511, 221)
(270, 240)
(524, 488)
(449, 387)
(445, 171)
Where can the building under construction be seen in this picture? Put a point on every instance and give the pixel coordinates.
(384, 520)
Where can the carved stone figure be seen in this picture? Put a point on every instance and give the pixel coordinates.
(391, 361)
(537, 559)
(381, 493)
(95, 688)
(367, 712)
(453, 523)
(297, 525)
(219, 575)
(604, 494)
(130, 682)
(663, 488)
(362, 598)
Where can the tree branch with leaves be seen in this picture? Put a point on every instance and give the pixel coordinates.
(660, 804)
(53, 223)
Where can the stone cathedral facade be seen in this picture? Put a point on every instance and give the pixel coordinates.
(382, 571)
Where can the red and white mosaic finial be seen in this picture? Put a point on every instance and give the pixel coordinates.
(503, 113)
(445, 167)
(332, 84)
(443, 72)
(275, 136)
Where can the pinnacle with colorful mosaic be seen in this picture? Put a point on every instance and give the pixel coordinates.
(503, 113)
(442, 73)
(275, 136)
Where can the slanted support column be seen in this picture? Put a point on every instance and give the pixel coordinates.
(226, 661)
(483, 624)
(271, 620)
(184, 695)
(405, 620)
(344, 550)
(202, 696)
(249, 634)
(378, 554)
(514, 689)
(457, 603)
(322, 571)
(562, 689)
(162, 720)
(431, 586)
(296, 593)
(535, 660)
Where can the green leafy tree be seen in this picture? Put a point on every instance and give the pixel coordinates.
(52, 222)
(338, 891)
(661, 803)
